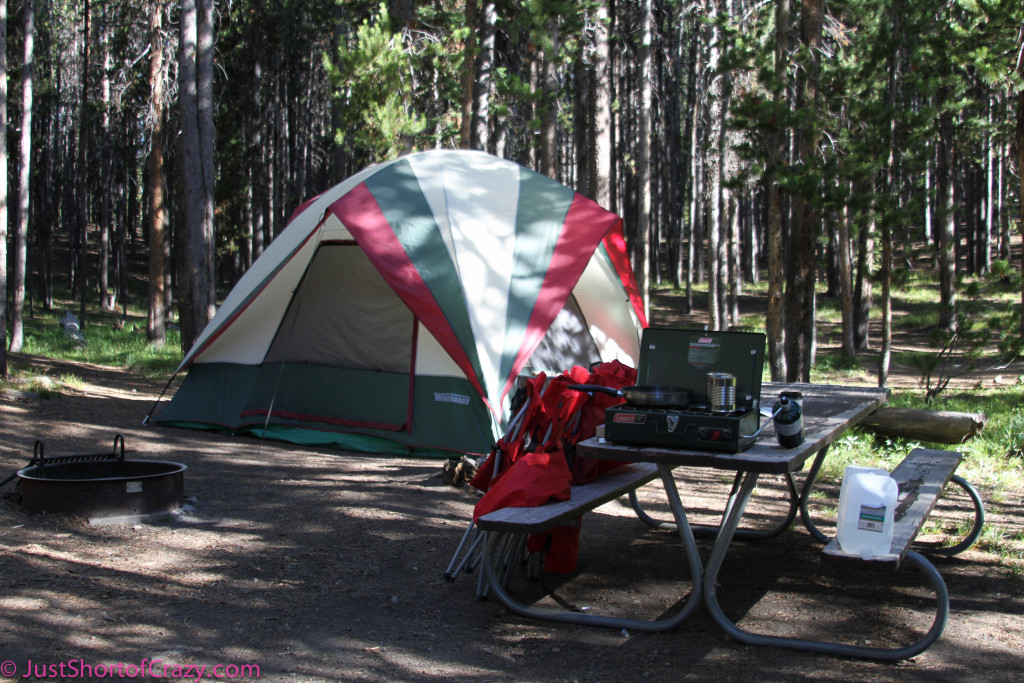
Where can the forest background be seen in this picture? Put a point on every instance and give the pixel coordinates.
(806, 144)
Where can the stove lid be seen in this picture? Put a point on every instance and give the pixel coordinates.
(682, 358)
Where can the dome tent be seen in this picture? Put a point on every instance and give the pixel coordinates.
(395, 311)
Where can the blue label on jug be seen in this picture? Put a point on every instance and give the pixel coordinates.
(871, 518)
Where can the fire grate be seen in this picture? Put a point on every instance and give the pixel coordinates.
(100, 486)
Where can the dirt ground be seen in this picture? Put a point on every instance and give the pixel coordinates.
(319, 566)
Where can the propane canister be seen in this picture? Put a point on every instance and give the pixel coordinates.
(789, 419)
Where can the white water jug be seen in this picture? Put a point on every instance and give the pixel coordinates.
(867, 505)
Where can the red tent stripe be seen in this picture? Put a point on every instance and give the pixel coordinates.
(584, 223)
(615, 244)
(359, 211)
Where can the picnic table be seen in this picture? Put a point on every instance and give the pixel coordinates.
(828, 412)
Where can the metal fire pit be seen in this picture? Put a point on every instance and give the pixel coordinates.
(101, 486)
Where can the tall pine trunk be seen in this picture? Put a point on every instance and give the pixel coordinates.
(3, 189)
(806, 220)
(82, 175)
(601, 171)
(846, 285)
(480, 132)
(775, 320)
(642, 265)
(549, 102)
(156, 321)
(196, 257)
(24, 178)
(712, 152)
(947, 220)
(1020, 174)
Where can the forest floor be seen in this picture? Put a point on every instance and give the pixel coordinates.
(314, 565)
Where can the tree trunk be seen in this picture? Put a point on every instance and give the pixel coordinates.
(775, 318)
(257, 155)
(712, 152)
(696, 256)
(947, 220)
(846, 285)
(156, 321)
(1002, 220)
(601, 133)
(892, 193)
(3, 189)
(469, 52)
(107, 303)
(886, 277)
(82, 175)
(806, 221)
(674, 188)
(642, 265)
(195, 259)
(686, 185)
(24, 178)
(735, 267)
(862, 290)
(204, 109)
(991, 175)
(480, 137)
(549, 102)
(1020, 174)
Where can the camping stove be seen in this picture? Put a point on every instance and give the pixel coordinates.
(685, 358)
(690, 427)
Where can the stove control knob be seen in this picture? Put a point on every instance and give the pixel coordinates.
(714, 434)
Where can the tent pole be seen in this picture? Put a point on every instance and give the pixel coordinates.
(291, 330)
(167, 386)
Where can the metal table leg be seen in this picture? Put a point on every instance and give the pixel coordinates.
(710, 530)
(737, 504)
(496, 583)
(805, 496)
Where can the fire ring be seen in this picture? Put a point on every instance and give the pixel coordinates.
(101, 486)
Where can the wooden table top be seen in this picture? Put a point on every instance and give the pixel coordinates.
(828, 411)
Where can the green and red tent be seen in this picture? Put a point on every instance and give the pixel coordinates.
(396, 310)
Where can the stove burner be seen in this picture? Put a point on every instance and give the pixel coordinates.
(694, 426)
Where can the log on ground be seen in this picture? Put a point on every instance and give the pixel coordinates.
(936, 426)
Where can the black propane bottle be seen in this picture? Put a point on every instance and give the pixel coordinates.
(789, 419)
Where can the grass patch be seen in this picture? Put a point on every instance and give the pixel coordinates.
(993, 459)
(42, 385)
(110, 340)
(833, 366)
(1009, 546)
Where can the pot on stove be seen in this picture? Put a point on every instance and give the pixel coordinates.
(645, 396)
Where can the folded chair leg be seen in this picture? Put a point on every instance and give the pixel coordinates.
(457, 565)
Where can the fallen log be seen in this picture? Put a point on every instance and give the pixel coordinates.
(936, 426)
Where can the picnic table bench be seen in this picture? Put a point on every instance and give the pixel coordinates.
(506, 530)
(584, 498)
(921, 477)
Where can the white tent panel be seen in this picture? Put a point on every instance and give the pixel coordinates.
(483, 226)
(601, 299)
(431, 358)
(251, 334)
(247, 339)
